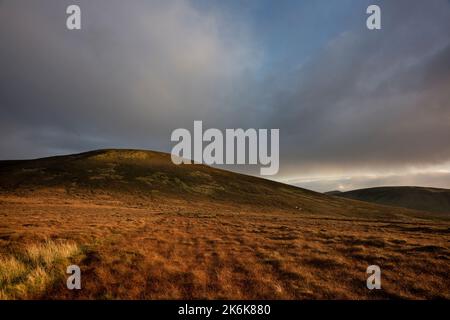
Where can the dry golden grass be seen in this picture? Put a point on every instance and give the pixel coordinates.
(48, 252)
(27, 273)
(10, 270)
(172, 249)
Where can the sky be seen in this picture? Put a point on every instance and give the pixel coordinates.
(355, 107)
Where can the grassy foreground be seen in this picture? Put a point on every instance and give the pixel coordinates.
(140, 227)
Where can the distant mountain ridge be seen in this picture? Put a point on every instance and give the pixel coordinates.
(417, 198)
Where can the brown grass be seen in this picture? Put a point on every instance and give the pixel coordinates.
(28, 272)
(173, 249)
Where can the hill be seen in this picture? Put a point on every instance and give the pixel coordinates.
(417, 198)
(151, 175)
(333, 192)
(148, 174)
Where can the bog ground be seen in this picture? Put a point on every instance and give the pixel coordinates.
(140, 227)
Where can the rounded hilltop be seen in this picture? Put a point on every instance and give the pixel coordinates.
(151, 176)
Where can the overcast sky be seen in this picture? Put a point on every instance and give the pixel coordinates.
(355, 108)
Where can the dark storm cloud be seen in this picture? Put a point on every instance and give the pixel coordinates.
(348, 101)
(134, 73)
(373, 99)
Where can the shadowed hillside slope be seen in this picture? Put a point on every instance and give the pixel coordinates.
(418, 198)
(152, 176)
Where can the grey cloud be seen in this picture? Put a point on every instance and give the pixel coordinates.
(372, 99)
(132, 74)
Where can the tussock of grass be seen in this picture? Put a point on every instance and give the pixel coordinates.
(10, 270)
(47, 253)
(25, 274)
